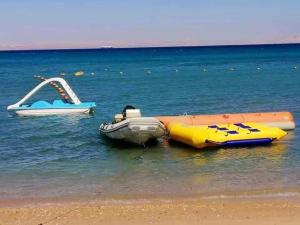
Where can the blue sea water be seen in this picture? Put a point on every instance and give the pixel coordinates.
(66, 156)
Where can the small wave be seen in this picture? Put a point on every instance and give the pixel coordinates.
(251, 196)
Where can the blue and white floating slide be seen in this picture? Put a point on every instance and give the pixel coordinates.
(69, 104)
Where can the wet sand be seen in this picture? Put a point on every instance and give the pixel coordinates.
(170, 211)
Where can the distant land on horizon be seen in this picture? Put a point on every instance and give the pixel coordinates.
(147, 47)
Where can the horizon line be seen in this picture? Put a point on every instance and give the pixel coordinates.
(145, 47)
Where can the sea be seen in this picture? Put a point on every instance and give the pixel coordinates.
(65, 156)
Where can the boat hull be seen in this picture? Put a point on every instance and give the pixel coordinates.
(134, 130)
(46, 112)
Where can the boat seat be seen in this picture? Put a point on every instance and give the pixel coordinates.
(41, 104)
(133, 113)
(242, 125)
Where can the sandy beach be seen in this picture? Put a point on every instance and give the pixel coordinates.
(263, 211)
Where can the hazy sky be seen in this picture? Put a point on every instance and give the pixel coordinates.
(27, 24)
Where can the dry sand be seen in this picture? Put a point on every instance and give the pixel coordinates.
(154, 211)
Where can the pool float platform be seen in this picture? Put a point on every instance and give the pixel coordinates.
(283, 120)
(239, 134)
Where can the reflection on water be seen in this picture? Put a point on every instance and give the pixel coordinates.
(233, 168)
(163, 169)
(201, 157)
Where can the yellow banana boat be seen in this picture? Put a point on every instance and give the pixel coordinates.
(238, 134)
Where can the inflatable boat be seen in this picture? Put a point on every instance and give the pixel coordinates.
(239, 134)
(131, 127)
(283, 120)
(68, 104)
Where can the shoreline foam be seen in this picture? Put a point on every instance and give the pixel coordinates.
(128, 199)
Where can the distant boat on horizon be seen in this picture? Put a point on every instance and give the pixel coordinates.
(106, 46)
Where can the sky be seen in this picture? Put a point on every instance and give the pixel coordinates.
(48, 24)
